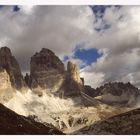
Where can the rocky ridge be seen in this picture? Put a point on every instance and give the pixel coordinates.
(48, 72)
(10, 64)
(48, 76)
(123, 124)
(6, 90)
(12, 124)
(118, 93)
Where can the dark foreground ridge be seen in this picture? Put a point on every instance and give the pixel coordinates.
(122, 124)
(14, 124)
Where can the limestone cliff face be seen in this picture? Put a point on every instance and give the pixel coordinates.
(73, 72)
(44, 61)
(6, 90)
(10, 64)
(4, 79)
(73, 84)
(48, 72)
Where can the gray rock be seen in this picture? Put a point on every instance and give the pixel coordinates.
(10, 64)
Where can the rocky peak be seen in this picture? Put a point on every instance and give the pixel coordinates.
(4, 79)
(44, 61)
(73, 84)
(73, 72)
(6, 90)
(5, 51)
(118, 92)
(117, 88)
(10, 64)
(46, 69)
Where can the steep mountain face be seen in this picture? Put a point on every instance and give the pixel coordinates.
(73, 84)
(58, 96)
(47, 72)
(10, 64)
(6, 90)
(122, 124)
(118, 92)
(46, 69)
(90, 91)
(12, 123)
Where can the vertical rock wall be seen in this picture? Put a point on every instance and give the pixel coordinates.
(10, 64)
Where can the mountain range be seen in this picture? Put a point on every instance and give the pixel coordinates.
(52, 99)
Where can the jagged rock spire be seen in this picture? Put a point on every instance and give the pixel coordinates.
(10, 64)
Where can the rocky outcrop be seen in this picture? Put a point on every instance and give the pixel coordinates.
(6, 90)
(14, 124)
(4, 79)
(122, 124)
(73, 84)
(44, 61)
(10, 64)
(48, 72)
(90, 91)
(73, 73)
(118, 92)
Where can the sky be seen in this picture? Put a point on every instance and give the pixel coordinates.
(104, 41)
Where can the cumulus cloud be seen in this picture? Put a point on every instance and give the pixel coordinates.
(121, 47)
(61, 28)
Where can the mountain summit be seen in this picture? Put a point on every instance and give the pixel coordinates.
(56, 95)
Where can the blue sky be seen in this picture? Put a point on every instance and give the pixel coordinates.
(113, 30)
(88, 56)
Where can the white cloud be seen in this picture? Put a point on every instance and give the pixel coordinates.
(93, 79)
(61, 28)
(121, 59)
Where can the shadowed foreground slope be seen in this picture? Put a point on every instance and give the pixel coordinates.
(12, 123)
(123, 124)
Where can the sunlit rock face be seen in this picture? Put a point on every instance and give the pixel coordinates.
(73, 84)
(48, 72)
(73, 72)
(6, 90)
(4, 79)
(10, 64)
